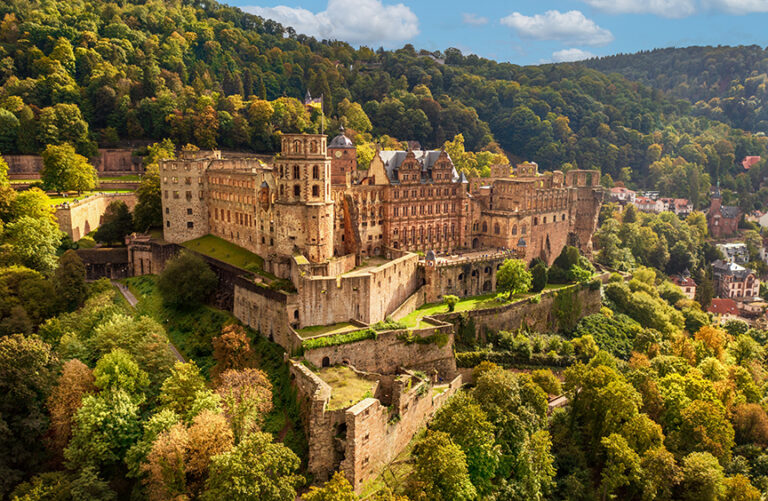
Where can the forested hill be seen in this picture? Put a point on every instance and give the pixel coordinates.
(723, 83)
(94, 72)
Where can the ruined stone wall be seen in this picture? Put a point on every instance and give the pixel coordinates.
(113, 162)
(111, 263)
(368, 296)
(390, 351)
(374, 439)
(266, 311)
(539, 317)
(77, 219)
(471, 277)
(414, 301)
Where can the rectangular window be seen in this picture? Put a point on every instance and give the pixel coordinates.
(166, 194)
(167, 210)
(168, 224)
(175, 195)
(190, 224)
(189, 212)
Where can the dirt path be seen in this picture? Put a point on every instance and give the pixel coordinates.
(128, 295)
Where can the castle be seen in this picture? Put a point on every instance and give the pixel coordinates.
(360, 247)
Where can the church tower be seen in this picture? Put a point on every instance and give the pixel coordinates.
(304, 205)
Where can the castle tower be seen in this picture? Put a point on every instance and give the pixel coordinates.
(304, 207)
(343, 159)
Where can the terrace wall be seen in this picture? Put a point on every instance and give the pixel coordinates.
(538, 317)
(113, 161)
(389, 353)
(77, 219)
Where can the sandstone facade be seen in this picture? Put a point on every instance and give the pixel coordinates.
(79, 218)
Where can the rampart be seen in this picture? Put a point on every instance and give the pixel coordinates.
(79, 218)
(368, 295)
(539, 317)
(426, 349)
(114, 161)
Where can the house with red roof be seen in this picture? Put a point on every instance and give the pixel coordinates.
(622, 195)
(647, 204)
(723, 310)
(685, 282)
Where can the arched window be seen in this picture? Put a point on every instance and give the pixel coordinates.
(296, 172)
(313, 147)
(535, 221)
(487, 270)
(524, 229)
(315, 171)
(496, 228)
(282, 191)
(485, 227)
(514, 230)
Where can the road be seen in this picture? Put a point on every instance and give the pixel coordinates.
(128, 295)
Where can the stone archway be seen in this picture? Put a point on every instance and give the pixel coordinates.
(475, 243)
(326, 362)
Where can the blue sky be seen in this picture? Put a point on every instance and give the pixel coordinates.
(525, 32)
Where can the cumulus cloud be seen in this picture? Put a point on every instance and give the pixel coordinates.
(355, 21)
(738, 6)
(570, 27)
(568, 55)
(474, 19)
(664, 8)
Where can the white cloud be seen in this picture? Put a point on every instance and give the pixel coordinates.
(354, 21)
(738, 6)
(664, 8)
(474, 19)
(568, 55)
(569, 27)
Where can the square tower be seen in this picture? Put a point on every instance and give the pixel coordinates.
(182, 182)
(304, 207)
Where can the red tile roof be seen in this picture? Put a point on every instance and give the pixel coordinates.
(724, 307)
(683, 282)
(749, 161)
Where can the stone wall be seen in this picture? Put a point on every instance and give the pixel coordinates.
(111, 263)
(410, 305)
(538, 317)
(374, 439)
(368, 296)
(266, 311)
(389, 352)
(77, 219)
(114, 162)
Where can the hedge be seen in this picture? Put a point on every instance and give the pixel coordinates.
(469, 359)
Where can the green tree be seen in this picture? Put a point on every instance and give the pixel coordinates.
(622, 465)
(63, 123)
(28, 370)
(116, 223)
(148, 211)
(69, 280)
(105, 427)
(450, 301)
(186, 281)
(256, 468)
(9, 131)
(182, 388)
(468, 426)
(539, 277)
(33, 203)
(513, 277)
(567, 309)
(702, 477)
(337, 488)
(440, 468)
(117, 370)
(65, 170)
(32, 243)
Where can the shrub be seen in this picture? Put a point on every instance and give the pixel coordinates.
(450, 300)
(186, 281)
(540, 276)
(337, 339)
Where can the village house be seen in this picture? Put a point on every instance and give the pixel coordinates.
(622, 195)
(734, 281)
(686, 283)
(723, 310)
(647, 204)
(722, 220)
(734, 252)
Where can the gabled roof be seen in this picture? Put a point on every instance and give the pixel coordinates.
(723, 307)
(393, 159)
(729, 211)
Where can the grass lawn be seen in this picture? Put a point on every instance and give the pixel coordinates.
(24, 181)
(55, 200)
(129, 177)
(464, 304)
(347, 388)
(222, 250)
(326, 330)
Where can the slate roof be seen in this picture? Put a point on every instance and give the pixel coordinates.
(729, 211)
(426, 158)
(341, 141)
(734, 269)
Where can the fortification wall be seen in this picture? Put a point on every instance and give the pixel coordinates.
(116, 161)
(414, 301)
(538, 317)
(373, 439)
(390, 351)
(77, 219)
(266, 311)
(367, 296)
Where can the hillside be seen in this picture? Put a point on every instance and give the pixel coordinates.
(722, 83)
(95, 72)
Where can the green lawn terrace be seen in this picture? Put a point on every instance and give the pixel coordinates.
(419, 318)
(233, 255)
(347, 386)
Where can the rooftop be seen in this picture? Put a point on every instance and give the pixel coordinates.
(723, 307)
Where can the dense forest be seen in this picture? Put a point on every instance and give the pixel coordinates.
(94, 73)
(727, 84)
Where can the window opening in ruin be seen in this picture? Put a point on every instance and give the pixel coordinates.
(327, 363)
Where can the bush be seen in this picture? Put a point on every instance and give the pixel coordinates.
(540, 275)
(450, 300)
(389, 325)
(337, 339)
(186, 281)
